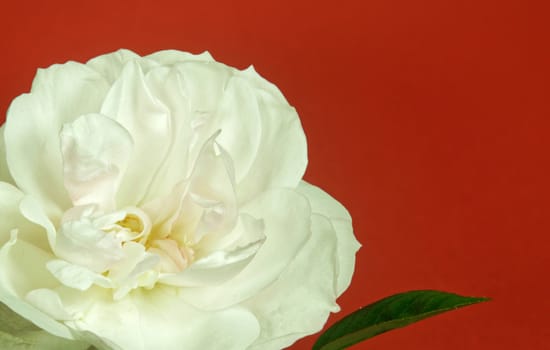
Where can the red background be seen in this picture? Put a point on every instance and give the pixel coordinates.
(428, 119)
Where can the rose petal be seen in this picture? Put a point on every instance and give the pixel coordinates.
(170, 57)
(203, 83)
(299, 302)
(21, 270)
(248, 230)
(75, 276)
(159, 319)
(165, 84)
(203, 204)
(215, 268)
(165, 210)
(258, 82)
(212, 187)
(33, 211)
(147, 120)
(59, 94)
(23, 267)
(81, 242)
(286, 215)
(211, 275)
(281, 157)
(11, 218)
(5, 175)
(260, 131)
(49, 302)
(238, 118)
(135, 270)
(96, 151)
(322, 203)
(244, 127)
(110, 65)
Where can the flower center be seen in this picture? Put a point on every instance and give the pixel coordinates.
(118, 250)
(185, 241)
(131, 222)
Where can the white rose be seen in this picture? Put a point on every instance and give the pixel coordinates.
(156, 203)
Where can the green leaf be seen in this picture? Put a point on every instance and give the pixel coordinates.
(396, 311)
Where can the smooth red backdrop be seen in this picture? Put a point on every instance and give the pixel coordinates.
(428, 119)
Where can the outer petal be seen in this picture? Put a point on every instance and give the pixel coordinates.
(299, 302)
(110, 65)
(12, 219)
(322, 203)
(281, 157)
(204, 83)
(159, 319)
(286, 216)
(240, 122)
(25, 335)
(59, 94)
(4, 171)
(22, 268)
(259, 82)
(170, 57)
(22, 263)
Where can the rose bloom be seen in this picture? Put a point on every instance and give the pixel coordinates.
(157, 202)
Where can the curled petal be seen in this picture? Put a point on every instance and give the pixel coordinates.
(221, 265)
(49, 302)
(212, 188)
(286, 215)
(31, 209)
(136, 269)
(247, 231)
(11, 218)
(75, 276)
(80, 242)
(96, 151)
(203, 205)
